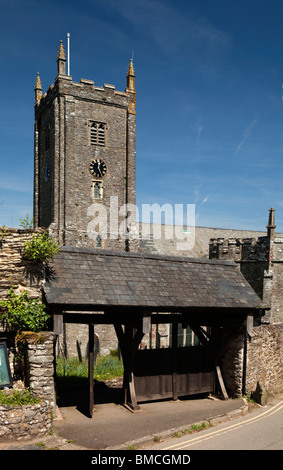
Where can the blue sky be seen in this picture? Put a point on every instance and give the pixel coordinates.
(209, 80)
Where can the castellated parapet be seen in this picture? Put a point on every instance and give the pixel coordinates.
(261, 261)
(238, 249)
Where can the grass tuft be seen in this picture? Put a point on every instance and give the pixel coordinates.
(17, 397)
(106, 367)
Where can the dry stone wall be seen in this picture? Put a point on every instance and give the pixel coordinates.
(39, 364)
(14, 270)
(34, 420)
(25, 422)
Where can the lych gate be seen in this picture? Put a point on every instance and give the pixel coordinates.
(132, 292)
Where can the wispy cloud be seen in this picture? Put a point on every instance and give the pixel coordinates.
(180, 34)
(199, 129)
(204, 200)
(246, 134)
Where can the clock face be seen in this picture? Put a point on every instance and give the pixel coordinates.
(97, 168)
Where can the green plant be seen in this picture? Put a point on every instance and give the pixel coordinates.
(198, 427)
(20, 312)
(26, 223)
(40, 248)
(17, 397)
(41, 444)
(3, 232)
(250, 399)
(106, 367)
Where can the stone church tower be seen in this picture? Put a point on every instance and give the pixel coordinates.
(84, 175)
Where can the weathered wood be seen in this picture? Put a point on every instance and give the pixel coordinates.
(58, 324)
(155, 377)
(174, 359)
(146, 324)
(250, 325)
(90, 367)
(221, 383)
(129, 340)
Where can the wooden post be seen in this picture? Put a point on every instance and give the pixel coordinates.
(174, 359)
(221, 383)
(129, 340)
(58, 324)
(90, 367)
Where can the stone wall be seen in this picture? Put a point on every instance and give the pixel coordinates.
(39, 364)
(261, 262)
(14, 270)
(276, 281)
(265, 359)
(74, 340)
(167, 242)
(257, 359)
(25, 422)
(34, 420)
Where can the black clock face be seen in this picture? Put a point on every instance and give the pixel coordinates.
(97, 168)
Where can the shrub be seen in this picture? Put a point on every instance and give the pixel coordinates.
(26, 223)
(23, 313)
(40, 248)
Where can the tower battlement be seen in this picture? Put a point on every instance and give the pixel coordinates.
(238, 249)
(260, 260)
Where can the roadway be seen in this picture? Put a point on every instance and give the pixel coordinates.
(262, 429)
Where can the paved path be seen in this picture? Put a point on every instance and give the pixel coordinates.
(113, 427)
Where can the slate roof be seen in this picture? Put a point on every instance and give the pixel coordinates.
(100, 278)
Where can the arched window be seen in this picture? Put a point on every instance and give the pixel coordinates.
(98, 241)
(97, 133)
(97, 189)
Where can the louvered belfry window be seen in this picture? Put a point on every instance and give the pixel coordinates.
(97, 133)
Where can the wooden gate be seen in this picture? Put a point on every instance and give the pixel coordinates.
(170, 372)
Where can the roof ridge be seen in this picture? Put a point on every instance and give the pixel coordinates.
(132, 254)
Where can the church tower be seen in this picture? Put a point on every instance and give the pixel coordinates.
(84, 152)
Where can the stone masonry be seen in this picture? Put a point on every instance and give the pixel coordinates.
(261, 261)
(64, 194)
(14, 270)
(39, 364)
(25, 422)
